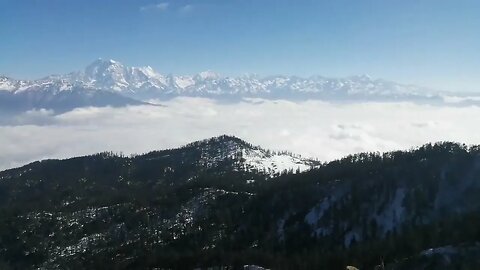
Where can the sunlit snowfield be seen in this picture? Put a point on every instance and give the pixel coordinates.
(311, 128)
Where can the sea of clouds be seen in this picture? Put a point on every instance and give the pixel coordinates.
(311, 128)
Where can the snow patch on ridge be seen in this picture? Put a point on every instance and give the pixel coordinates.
(273, 163)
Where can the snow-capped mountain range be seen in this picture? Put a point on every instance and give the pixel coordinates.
(140, 81)
(131, 85)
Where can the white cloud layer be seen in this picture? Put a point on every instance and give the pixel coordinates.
(160, 7)
(310, 128)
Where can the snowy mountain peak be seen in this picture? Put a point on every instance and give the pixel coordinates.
(208, 75)
(105, 74)
(6, 79)
(7, 84)
(101, 61)
(144, 83)
(104, 67)
(147, 72)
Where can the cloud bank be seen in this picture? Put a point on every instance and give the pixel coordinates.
(159, 7)
(311, 128)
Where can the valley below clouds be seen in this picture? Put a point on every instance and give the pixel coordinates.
(316, 129)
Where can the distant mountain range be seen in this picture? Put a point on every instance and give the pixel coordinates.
(110, 83)
(224, 202)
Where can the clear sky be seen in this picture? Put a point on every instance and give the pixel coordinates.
(433, 43)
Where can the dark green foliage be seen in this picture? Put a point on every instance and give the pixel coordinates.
(192, 207)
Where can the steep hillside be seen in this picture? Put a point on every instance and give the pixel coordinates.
(222, 202)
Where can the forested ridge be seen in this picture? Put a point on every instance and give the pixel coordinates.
(200, 206)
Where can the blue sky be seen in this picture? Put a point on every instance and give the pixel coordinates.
(428, 42)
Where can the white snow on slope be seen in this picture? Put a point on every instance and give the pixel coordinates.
(248, 157)
(7, 84)
(392, 216)
(184, 82)
(272, 164)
